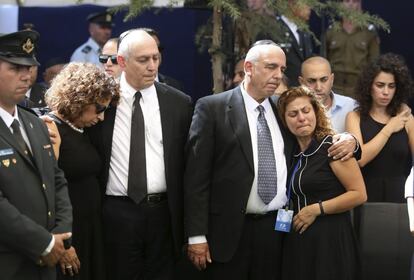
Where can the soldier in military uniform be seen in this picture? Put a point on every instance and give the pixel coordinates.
(100, 30)
(35, 210)
(349, 50)
(297, 44)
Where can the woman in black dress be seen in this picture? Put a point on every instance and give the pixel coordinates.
(384, 126)
(322, 244)
(78, 98)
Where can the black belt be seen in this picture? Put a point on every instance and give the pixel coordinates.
(262, 215)
(150, 198)
(155, 197)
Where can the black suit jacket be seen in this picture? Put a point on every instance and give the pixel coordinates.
(164, 79)
(37, 95)
(33, 201)
(176, 110)
(220, 171)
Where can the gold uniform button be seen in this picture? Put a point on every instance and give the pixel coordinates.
(44, 186)
(49, 214)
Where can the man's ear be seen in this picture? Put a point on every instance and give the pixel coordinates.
(121, 61)
(301, 80)
(248, 68)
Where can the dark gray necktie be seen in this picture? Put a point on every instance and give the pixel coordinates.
(19, 137)
(137, 175)
(266, 173)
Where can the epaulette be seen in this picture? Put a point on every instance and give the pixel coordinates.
(27, 109)
(86, 49)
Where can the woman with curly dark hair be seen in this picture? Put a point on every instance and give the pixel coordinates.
(384, 127)
(323, 190)
(78, 97)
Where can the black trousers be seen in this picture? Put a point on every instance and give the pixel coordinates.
(138, 239)
(258, 256)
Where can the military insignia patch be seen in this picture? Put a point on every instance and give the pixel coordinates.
(28, 46)
(6, 162)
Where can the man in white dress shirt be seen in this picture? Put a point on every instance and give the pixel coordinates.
(142, 144)
(100, 30)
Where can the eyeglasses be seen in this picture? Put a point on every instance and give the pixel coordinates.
(104, 58)
(100, 108)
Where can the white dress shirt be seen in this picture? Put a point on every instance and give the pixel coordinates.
(293, 27)
(255, 204)
(8, 120)
(88, 52)
(154, 150)
(341, 106)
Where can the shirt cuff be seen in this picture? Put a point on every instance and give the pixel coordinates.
(356, 142)
(197, 239)
(49, 247)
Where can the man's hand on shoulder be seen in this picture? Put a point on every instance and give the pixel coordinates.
(343, 147)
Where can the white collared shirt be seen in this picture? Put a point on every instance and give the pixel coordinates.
(88, 52)
(154, 149)
(293, 27)
(8, 120)
(255, 203)
(341, 106)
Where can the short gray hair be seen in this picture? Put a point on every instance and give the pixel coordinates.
(128, 38)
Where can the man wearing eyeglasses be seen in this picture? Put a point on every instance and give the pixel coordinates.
(142, 144)
(108, 58)
(100, 30)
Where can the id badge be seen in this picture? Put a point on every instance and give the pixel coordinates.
(284, 220)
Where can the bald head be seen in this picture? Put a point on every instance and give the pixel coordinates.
(258, 49)
(315, 61)
(316, 74)
(132, 38)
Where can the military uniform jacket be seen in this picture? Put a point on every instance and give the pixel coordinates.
(88, 52)
(349, 53)
(34, 201)
(295, 53)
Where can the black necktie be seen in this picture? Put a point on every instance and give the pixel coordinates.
(301, 41)
(137, 175)
(19, 137)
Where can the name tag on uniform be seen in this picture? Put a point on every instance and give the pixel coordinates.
(6, 152)
(284, 220)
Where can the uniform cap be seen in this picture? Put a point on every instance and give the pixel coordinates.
(102, 18)
(19, 47)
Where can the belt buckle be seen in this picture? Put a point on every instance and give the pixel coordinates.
(153, 198)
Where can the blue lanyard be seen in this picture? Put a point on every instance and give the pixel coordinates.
(291, 181)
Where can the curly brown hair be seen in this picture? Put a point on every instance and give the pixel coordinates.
(389, 63)
(79, 85)
(323, 124)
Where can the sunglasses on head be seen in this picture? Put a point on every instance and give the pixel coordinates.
(104, 58)
(100, 108)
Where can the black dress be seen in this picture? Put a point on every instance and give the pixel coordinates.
(328, 248)
(81, 164)
(385, 175)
